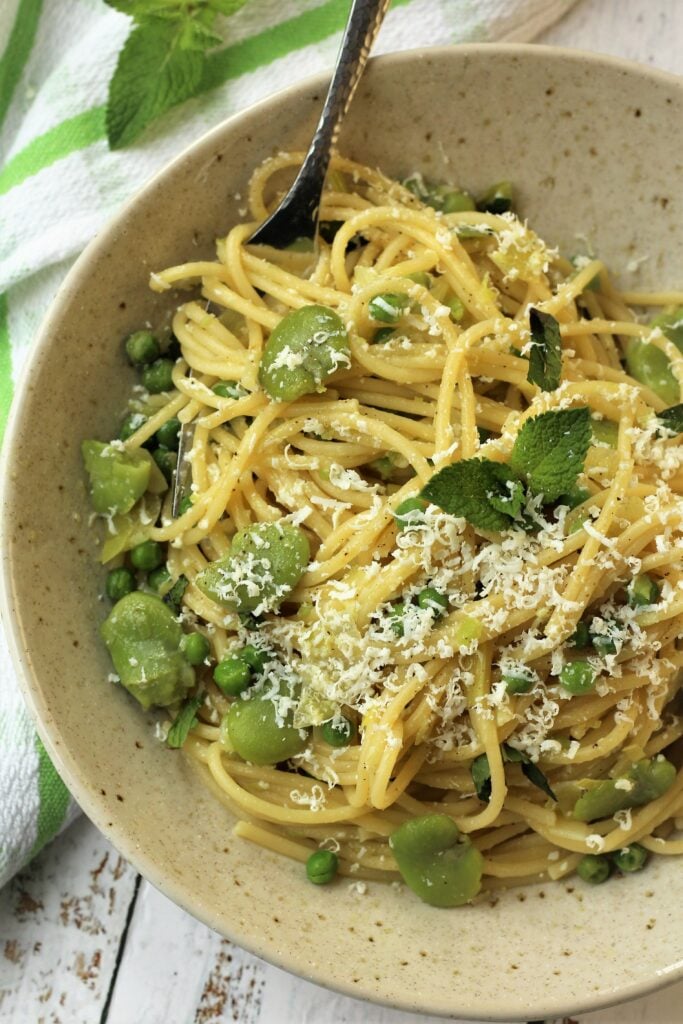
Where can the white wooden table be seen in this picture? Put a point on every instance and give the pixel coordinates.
(86, 940)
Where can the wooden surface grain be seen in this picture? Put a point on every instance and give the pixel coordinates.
(85, 941)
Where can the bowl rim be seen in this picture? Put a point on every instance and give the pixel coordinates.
(65, 763)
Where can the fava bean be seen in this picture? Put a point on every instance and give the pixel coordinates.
(646, 780)
(303, 350)
(265, 563)
(260, 727)
(439, 864)
(117, 478)
(143, 639)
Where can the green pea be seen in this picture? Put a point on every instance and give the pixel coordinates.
(383, 335)
(142, 348)
(516, 682)
(631, 858)
(434, 600)
(581, 636)
(158, 376)
(229, 389)
(143, 639)
(148, 555)
(338, 732)
(605, 431)
(274, 556)
(646, 780)
(232, 676)
(422, 277)
(168, 434)
(132, 423)
(396, 620)
(166, 461)
(496, 199)
(117, 478)
(254, 657)
(457, 308)
(119, 583)
(439, 864)
(643, 591)
(321, 867)
(389, 307)
(577, 677)
(409, 513)
(303, 350)
(195, 647)
(594, 869)
(261, 727)
(604, 644)
(160, 579)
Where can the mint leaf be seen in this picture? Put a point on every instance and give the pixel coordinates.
(153, 73)
(481, 491)
(550, 451)
(672, 418)
(545, 356)
(185, 720)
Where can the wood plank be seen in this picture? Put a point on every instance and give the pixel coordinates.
(61, 921)
(175, 969)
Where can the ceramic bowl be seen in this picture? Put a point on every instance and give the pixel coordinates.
(595, 149)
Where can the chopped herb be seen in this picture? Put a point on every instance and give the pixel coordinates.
(175, 595)
(545, 357)
(481, 772)
(672, 418)
(185, 720)
(481, 777)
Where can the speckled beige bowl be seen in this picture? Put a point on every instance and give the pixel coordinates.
(595, 149)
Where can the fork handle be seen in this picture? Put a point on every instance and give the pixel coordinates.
(297, 215)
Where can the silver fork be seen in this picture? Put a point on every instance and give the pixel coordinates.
(297, 214)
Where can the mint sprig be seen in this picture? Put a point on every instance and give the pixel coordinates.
(550, 450)
(162, 61)
(545, 356)
(546, 459)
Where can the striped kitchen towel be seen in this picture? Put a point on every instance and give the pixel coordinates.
(59, 183)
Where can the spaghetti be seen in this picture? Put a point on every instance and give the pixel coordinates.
(442, 652)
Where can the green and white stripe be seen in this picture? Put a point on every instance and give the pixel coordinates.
(59, 184)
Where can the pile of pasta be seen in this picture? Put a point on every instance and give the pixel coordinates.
(428, 700)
